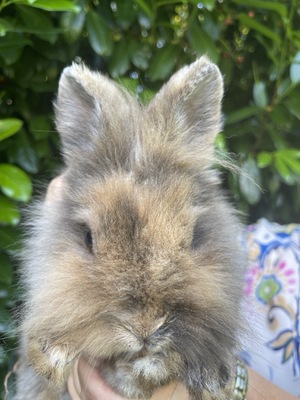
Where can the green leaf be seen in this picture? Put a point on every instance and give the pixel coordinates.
(227, 68)
(249, 181)
(42, 148)
(220, 142)
(53, 5)
(163, 63)
(260, 94)
(6, 270)
(15, 183)
(23, 154)
(295, 69)
(161, 3)
(73, 25)
(264, 5)
(13, 41)
(11, 47)
(40, 126)
(292, 159)
(146, 96)
(9, 214)
(50, 35)
(26, 2)
(9, 239)
(5, 26)
(279, 140)
(242, 114)
(264, 159)
(290, 153)
(12, 55)
(140, 55)
(145, 7)
(119, 61)
(126, 13)
(283, 169)
(129, 84)
(274, 184)
(258, 27)
(211, 26)
(284, 87)
(9, 126)
(4, 321)
(281, 116)
(209, 4)
(201, 42)
(38, 23)
(293, 164)
(100, 35)
(293, 104)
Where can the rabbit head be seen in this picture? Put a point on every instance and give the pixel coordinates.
(136, 264)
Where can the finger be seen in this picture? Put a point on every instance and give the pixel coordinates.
(180, 393)
(173, 391)
(92, 384)
(74, 384)
(87, 382)
(54, 190)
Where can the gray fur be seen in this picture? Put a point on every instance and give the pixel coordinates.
(154, 289)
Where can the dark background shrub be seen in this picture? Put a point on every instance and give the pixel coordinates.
(140, 43)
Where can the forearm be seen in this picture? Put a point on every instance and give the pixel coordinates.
(261, 389)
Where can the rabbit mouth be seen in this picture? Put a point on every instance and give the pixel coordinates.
(138, 375)
(143, 364)
(129, 376)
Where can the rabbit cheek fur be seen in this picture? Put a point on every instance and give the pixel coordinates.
(136, 264)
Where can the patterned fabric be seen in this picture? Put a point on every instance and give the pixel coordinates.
(272, 303)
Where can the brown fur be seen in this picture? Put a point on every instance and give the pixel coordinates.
(154, 292)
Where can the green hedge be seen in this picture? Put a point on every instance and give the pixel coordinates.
(140, 43)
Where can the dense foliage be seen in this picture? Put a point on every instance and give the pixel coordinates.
(140, 43)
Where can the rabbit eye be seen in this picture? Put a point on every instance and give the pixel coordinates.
(88, 240)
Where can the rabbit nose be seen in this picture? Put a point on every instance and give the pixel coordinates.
(157, 347)
(148, 328)
(146, 342)
(149, 344)
(147, 339)
(156, 342)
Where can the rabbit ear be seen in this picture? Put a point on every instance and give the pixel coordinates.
(83, 106)
(190, 104)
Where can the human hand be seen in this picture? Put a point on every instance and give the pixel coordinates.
(86, 383)
(55, 188)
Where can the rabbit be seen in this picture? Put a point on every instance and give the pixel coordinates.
(137, 265)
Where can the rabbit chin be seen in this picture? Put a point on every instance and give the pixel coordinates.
(139, 376)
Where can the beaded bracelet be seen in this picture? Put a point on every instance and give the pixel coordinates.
(240, 382)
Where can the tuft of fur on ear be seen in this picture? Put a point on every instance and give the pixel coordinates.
(84, 107)
(190, 105)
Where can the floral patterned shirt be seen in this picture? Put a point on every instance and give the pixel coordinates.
(272, 303)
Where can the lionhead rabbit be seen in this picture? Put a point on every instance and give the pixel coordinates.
(137, 262)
